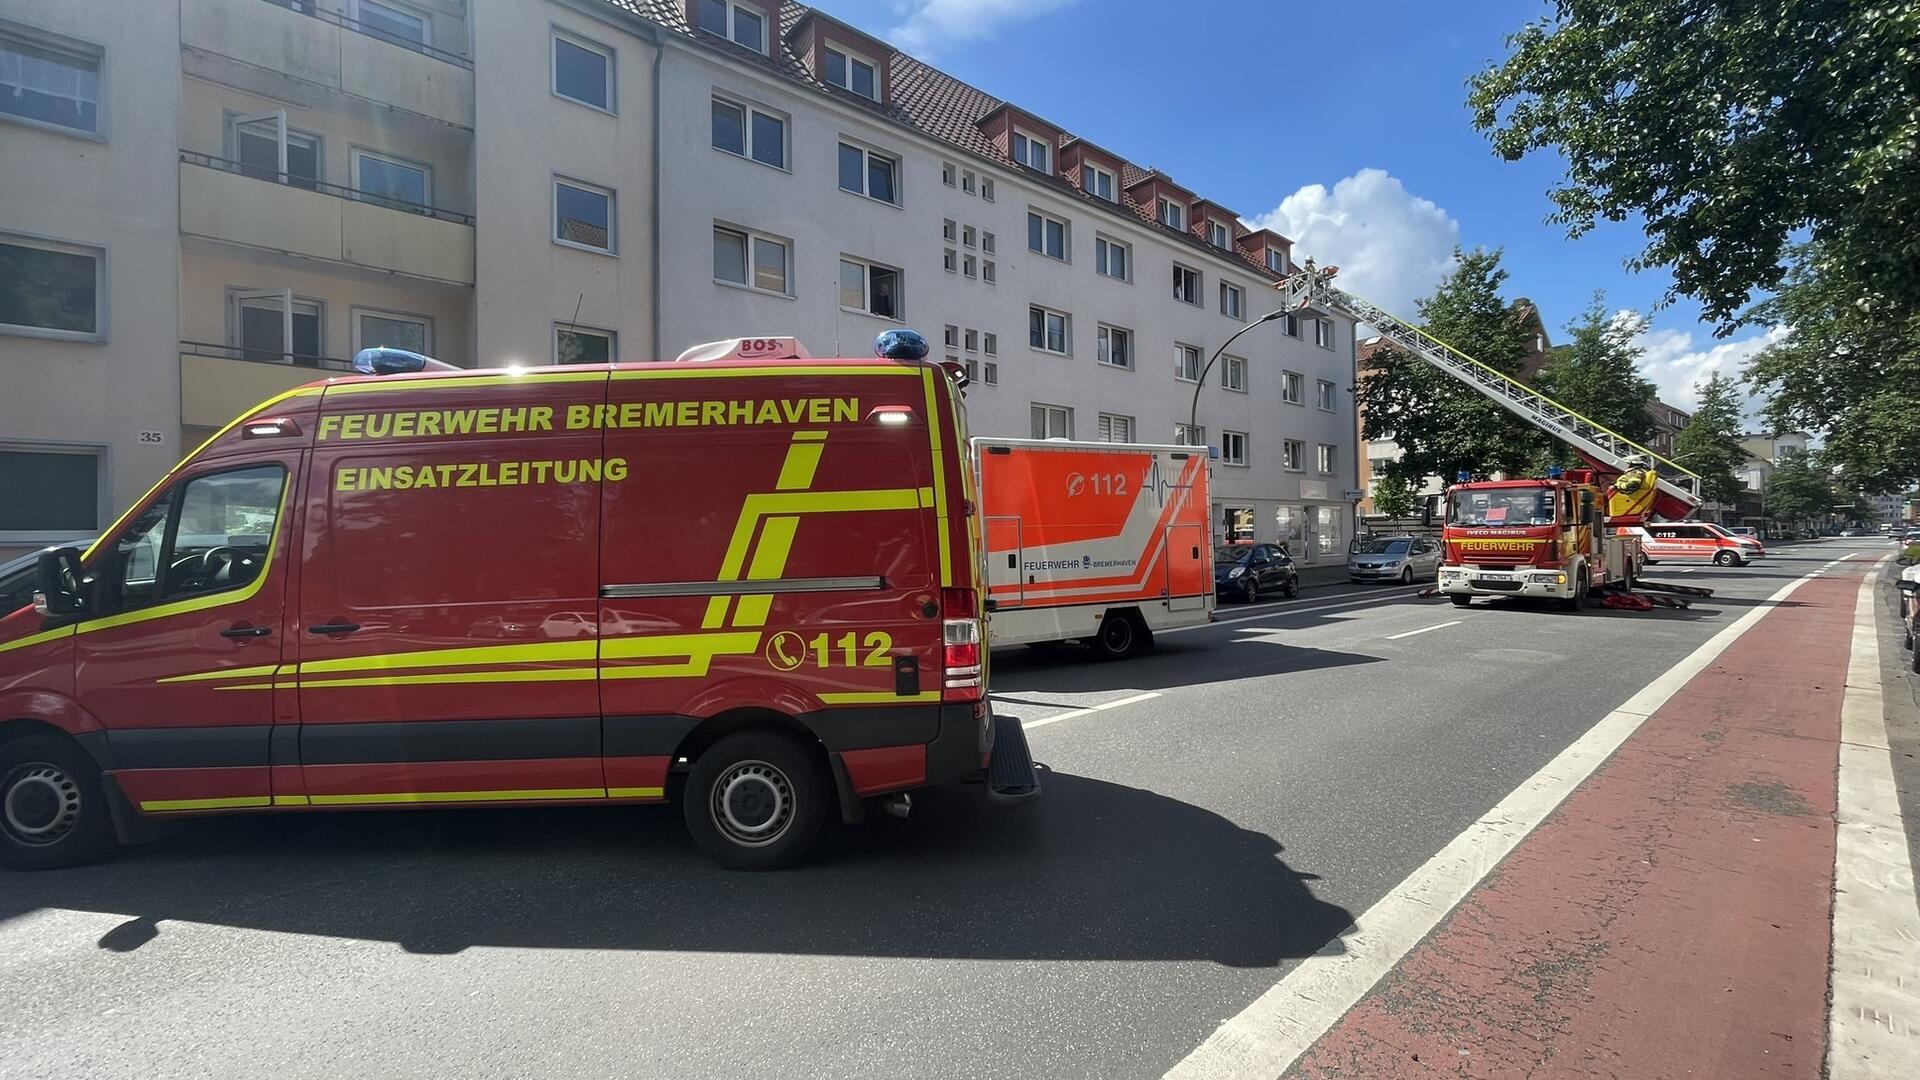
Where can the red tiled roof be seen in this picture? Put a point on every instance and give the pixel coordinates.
(928, 100)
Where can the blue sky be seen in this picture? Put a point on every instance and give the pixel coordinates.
(1364, 151)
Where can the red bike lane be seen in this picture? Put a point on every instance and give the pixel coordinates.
(1672, 917)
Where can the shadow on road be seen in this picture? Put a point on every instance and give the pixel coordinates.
(1186, 660)
(1095, 871)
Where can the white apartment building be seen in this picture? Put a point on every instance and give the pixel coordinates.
(505, 182)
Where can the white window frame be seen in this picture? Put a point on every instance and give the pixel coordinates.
(1276, 260)
(584, 44)
(1036, 147)
(357, 154)
(747, 109)
(84, 52)
(990, 373)
(1170, 213)
(948, 173)
(284, 136)
(1326, 457)
(1290, 325)
(1323, 333)
(950, 261)
(1066, 234)
(1104, 352)
(867, 267)
(355, 312)
(289, 302)
(1228, 288)
(1062, 412)
(102, 508)
(950, 336)
(612, 250)
(1293, 455)
(990, 343)
(1091, 177)
(1108, 422)
(1233, 374)
(1293, 388)
(99, 333)
(967, 181)
(949, 230)
(986, 188)
(987, 242)
(426, 20)
(1198, 294)
(967, 235)
(1046, 315)
(1227, 454)
(612, 336)
(733, 9)
(988, 273)
(851, 58)
(968, 266)
(1103, 248)
(1189, 434)
(867, 154)
(1181, 351)
(1326, 396)
(1217, 229)
(754, 236)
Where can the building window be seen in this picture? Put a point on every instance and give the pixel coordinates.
(389, 329)
(986, 242)
(1049, 330)
(947, 173)
(1189, 435)
(988, 273)
(583, 216)
(739, 23)
(1276, 260)
(1219, 235)
(1233, 447)
(583, 71)
(54, 87)
(1116, 428)
(750, 132)
(951, 336)
(1293, 455)
(1291, 388)
(1112, 258)
(1096, 182)
(947, 230)
(950, 260)
(1323, 333)
(262, 319)
(1032, 151)
(1047, 235)
(1233, 301)
(967, 236)
(967, 265)
(391, 181)
(990, 373)
(851, 72)
(750, 259)
(1051, 421)
(52, 493)
(391, 22)
(1326, 459)
(1116, 346)
(870, 288)
(1172, 214)
(258, 142)
(1233, 373)
(986, 190)
(990, 343)
(1324, 391)
(1291, 325)
(1186, 363)
(1186, 284)
(966, 182)
(869, 172)
(973, 340)
(52, 290)
(583, 345)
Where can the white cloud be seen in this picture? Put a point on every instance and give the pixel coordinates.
(1391, 245)
(927, 26)
(1678, 359)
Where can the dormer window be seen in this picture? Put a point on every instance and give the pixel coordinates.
(1219, 235)
(1172, 214)
(1276, 260)
(739, 23)
(1032, 151)
(1096, 182)
(851, 72)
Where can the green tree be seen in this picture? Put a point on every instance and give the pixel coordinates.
(1395, 496)
(1442, 426)
(1730, 128)
(1798, 490)
(1710, 443)
(1597, 374)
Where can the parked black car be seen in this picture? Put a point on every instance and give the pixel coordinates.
(1245, 571)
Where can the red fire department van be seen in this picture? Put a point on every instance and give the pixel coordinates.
(749, 585)
(1101, 542)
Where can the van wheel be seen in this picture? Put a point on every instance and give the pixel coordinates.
(756, 799)
(1460, 599)
(53, 808)
(1723, 557)
(1119, 637)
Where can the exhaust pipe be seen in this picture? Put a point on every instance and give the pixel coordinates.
(898, 805)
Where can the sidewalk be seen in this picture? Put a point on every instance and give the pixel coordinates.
(1674, 915)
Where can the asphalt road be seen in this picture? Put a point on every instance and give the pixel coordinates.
(1292, 763)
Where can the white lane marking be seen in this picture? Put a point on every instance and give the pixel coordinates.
(1385, 590)
(1102, 707)
(1284, 612)
(1871, 1029)
(1423, 630)
(1266, 1037)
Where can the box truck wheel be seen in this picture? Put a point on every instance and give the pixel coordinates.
(1121, 635)
(53, 807)
(756, 799)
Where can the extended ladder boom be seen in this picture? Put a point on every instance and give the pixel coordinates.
(1310, 288)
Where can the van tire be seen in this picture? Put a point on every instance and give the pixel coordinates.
(53, 806)
(756, 799)
(1724, 557)
(1460, 599)
(1120, 636)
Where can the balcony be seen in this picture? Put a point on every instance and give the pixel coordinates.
(298, 39)
(219, 382)
(225, 200)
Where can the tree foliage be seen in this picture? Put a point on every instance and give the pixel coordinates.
(1731, 128)
(1395, 496)
(1710, 443)
(1798, 490)
(1597, 374)
(1442, 426)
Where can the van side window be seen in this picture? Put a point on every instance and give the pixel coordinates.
(128, 579)
(208, 535)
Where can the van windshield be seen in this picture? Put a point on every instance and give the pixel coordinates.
(1516, 506)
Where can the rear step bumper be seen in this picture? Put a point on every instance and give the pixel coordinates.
(1011, 777)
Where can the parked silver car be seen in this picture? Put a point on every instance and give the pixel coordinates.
(1394, 558)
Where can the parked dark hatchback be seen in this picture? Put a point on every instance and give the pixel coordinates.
(1245, 571)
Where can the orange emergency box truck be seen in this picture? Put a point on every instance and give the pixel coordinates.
(1100, 542)
(748, 585)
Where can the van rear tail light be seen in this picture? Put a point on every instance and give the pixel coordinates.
(962, 641)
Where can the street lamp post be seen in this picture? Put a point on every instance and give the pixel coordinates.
(1193, 414)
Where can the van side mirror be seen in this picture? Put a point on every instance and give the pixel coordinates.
(58, 582)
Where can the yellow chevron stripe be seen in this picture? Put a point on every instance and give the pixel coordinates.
(939, 483)
(36, 639)
(224, 673)
(769, 563)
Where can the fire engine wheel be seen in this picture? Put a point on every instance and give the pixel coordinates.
(1119, 637)
(756, 799)
(1579, 598)
(1460, 599)
(53, 810)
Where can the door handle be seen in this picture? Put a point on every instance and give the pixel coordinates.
(246, 631)
(334, 628)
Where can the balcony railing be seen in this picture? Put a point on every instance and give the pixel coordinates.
(208, 161)
(264, 356)
(310, 9)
